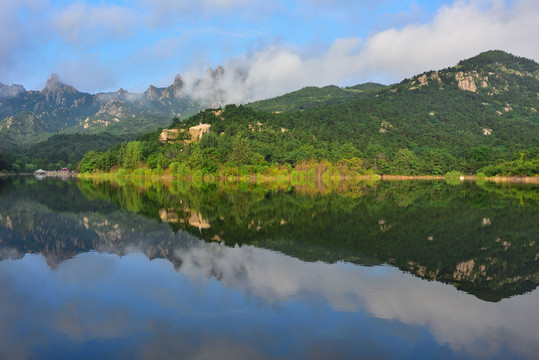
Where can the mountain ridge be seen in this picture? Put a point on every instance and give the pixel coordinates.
(59, 107)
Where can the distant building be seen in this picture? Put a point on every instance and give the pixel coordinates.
(40, 172)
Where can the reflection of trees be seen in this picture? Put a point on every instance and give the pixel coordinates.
(431, 229)
(53, 218)
(480, 238)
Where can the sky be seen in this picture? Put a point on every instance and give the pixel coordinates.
(274, 46)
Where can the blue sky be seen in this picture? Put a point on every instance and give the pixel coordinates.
(278, 46)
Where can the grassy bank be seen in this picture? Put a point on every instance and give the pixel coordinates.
(286, 174)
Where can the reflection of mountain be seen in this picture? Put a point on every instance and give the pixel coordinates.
(263, 299)
(107, 301)
(53, 218)
(479, 241)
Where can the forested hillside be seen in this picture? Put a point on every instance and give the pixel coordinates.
(314, 97)
(477, 116)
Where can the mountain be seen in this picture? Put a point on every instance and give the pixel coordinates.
(28, 116)
(479, 113)
(312, 97)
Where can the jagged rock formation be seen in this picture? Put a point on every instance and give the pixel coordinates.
(59, 107)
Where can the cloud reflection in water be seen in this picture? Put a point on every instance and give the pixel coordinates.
(247, 302)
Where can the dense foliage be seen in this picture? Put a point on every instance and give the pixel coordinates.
(313, 97)
(479, 116)
(57, 152)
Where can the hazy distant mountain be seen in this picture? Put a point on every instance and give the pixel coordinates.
(27, 116)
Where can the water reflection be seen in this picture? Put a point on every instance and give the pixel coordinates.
(111, 283)
(479, 237)
(266, 304)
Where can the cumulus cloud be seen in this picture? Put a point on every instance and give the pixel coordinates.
(459, 31)
(273, 71)
(456, 32)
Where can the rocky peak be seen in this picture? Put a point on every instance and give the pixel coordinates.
(116, 108)
(152, 93)
(54, 85)
(219, 72)
(216, 74)
(178, 82)
(175, 89)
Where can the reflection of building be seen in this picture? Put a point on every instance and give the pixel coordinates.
(195, 219)
(40, 174)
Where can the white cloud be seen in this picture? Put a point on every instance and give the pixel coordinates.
(457, 32)
(275, 70)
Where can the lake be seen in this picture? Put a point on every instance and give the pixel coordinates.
(387, 269)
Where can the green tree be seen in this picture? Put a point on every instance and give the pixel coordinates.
(132, 155)
(242, 153)
(405, 163)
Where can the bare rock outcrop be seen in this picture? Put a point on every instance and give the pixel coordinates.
(466, 82)
(195, 132)
(116, 108)
(198, 131)
(169, 135)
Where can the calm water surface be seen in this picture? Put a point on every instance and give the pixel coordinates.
(381, 270)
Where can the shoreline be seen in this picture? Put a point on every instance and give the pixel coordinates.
(496, 179)
(257, 178)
